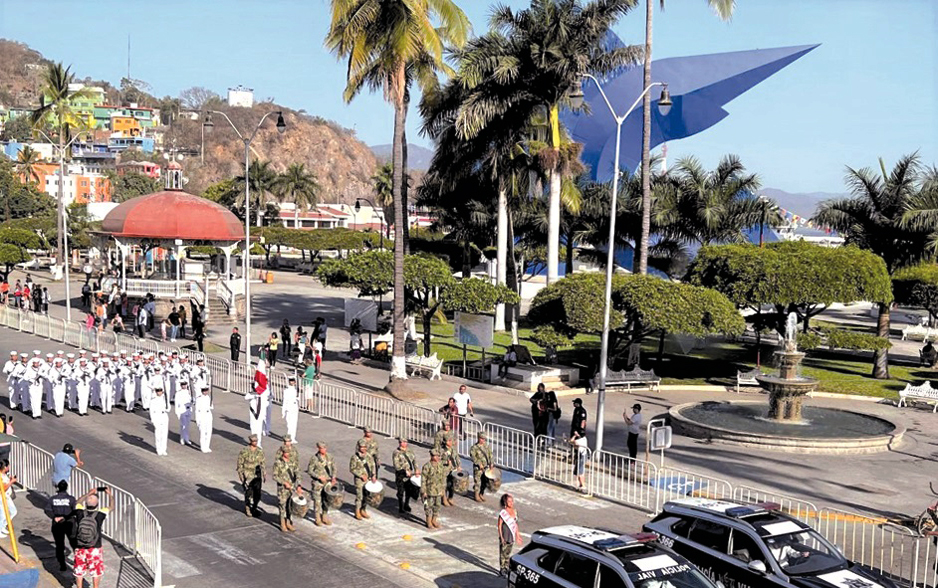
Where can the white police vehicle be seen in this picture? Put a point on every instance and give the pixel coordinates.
(580, 557)
(754, 546)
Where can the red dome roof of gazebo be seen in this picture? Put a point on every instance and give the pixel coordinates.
(173, 214)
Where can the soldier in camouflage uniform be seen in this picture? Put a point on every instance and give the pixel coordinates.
(286, 474)
(446, 432)
(372, 445)
(450, 460)
(433, 484)
(252, 473)
(405, 466)
(288, 446)
(481, 456)
(362, 467)
(321, 469)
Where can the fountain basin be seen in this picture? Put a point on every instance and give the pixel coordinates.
(821, 430)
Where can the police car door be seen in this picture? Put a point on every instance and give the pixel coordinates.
(575, 571)
(708, 548)
(753, 567)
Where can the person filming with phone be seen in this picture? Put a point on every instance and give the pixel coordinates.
(86, 532)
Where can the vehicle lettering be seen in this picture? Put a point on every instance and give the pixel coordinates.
(660, 573)
(665, 541)
(722, 579)
(528, 574)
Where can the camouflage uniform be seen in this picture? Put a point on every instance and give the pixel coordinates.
(449, 459)
(372, 450)
(439, 439)
(433, 483)
(362, 468)
(320, 466)
(481, 456)
(294, 457)
(286, 472)
(405, 466)
(251, 465)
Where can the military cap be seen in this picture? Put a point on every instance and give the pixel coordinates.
(367, 430)
(402, 440)
(481, 435)
(434, 453)
(362, 444)
(320, 445)
(287, 439)
(446, 423)
(252, 438)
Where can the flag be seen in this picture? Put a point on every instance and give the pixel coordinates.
(260, 377)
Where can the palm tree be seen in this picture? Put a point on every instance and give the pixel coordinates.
(389, 44)
(724, 10)
(55, 111)
(299, 186)
(27, 161)
(383, 188)
(704, 207)
(887, 215)
(529, 64)
(262, 181)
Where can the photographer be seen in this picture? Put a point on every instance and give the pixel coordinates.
(86, 531)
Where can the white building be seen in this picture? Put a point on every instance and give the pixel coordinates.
(241, 97)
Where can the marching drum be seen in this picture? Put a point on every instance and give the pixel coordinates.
(374, 494)
(460, 481)
(413, 487)
(493, 479)
(334, 495)
(298, 506)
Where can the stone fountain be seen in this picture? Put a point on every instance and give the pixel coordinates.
(788, 425)
(787, 390)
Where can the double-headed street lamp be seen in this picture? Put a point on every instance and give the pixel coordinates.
(208, 125)
(358, 207)
(664, 106)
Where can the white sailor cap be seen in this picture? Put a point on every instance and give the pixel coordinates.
(14, 353)
(200, 360)
(175, 352)
(183, 383)
(183, 358)
(95, 355)
(82, 352)
(59, 359)
(50, 355)
(205, 386)
(137, 353)
(123, 352)
(60, 352)
(35, 359)
(105, 358)
(70, 355)
(158, 387)
(37, 352)
(24, 354)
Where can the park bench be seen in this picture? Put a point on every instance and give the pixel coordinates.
(747, 378)
(421, 363)
(924, 392)
(633, 378)
(919, 332)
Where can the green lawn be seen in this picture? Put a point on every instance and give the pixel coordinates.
(840, 373)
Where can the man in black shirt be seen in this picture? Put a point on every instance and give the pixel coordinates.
(234, 343)
(59, 508)
(578, 424)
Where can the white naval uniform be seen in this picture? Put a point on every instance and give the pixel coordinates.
(199, 377)
(83, 377)
(128, 385)
(290, 409)
(257, 411)
(8, 369)
(183, 409)
(105, 377)
(35, 381)
(56, 376)
(70, 371)
(159, 416)
(203, 419)
(22, 386)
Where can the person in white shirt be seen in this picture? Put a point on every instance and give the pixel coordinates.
(83, 376)
(634, 422)
(128, 384)
(105, 379)
(290, 408)
(203, 419)
(57, 376)
(12, 380)
(183, 408)
(34, 378)
(159, 416)
(463, 409)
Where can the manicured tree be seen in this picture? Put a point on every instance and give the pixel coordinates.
(918, 286)
(14, 246)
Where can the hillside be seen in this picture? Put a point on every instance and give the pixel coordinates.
(418, 158)
(802, 204)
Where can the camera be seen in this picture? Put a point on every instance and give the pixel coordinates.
(102, 488)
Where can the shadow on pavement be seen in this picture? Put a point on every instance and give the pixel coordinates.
(45, 553)
(474, 579)
(132, 574)
(136, 441)
(222, 497)
(462, 555)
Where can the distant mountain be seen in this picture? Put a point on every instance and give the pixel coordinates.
(418, 158)
(802, 204)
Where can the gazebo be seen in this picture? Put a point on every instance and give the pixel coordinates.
(173, 220)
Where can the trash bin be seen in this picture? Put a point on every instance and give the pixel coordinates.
(270, 278)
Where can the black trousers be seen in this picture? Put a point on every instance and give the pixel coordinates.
(59, 533)
(235, 353)
(632, 443)
(252, 493)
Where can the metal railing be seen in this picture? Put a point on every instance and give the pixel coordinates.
(224, 293)
(512, 449)
(159, 288)
(798, 508)
(622, 479)
(558, 462)
(674, 483)
(196, 292)
(129, 523)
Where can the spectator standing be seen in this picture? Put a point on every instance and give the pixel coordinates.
(86, 295)
(286, 339)
(321, 334)
(539, 413)
(463, 408)
(634, 422)
(141, 321)
(45, 300)
(553, 412)
(60, 508)
(317, 361)
(509, 534)
(64, 462)
(18, 295)
(26, 296)
(6, 427)
(174, 323)
(580, 450)
(89, 518)
(578, 423)
(273, 343)
(6, 481)
(301, 339)
(164, 327)
(4, 291)
(234, 343)
(183, 317)
(199, 337)
(150, 306)
(450, 414)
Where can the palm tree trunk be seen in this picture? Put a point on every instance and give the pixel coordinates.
(512, 278)
(881, 356)
(501, 258)
(404, 206)
(553, 204)
(568, 270)
(646, 147)
(398, 367)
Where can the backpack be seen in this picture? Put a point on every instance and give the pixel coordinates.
(87, 533)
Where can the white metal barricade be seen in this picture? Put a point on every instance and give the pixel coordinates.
(467, 432)
(309, 396)
(26, 321)
(673, 483)
(802, 510)
(148, 543)
(871, 541)
(276, 382)
(378, 413)
(41, 325)
(559, 462)
(107, 342)
(221, 372)
(416, 423)
(512, 449)
(337, 403)
(623, 479)
(242, 378)
(924, 571)
(121, 523)
(57, 329)
(73, 334)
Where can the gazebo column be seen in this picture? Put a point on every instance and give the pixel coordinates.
(179, 252)
(123, 249)
(228, 250)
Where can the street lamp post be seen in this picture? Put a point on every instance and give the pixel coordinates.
(208, 125)
(63, 217)
(358, 207)
(664, 104)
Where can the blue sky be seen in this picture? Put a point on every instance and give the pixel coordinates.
(869, 91)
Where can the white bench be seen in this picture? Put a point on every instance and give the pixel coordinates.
(747, 378)
(421, 363)
(924, 392)
(635, 377)
(919, 332)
